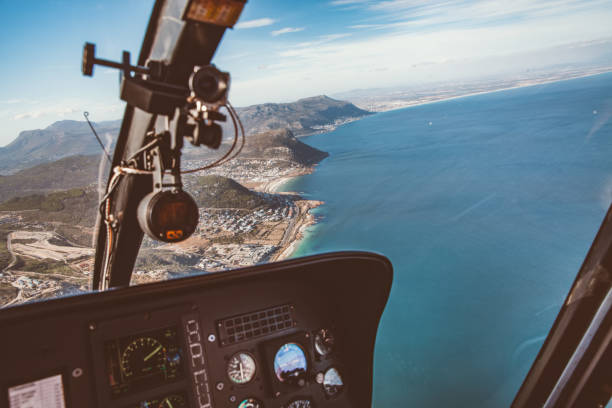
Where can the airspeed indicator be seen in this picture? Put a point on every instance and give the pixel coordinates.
(241, 368)
(142, 357)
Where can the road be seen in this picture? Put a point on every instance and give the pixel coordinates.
(9, 247)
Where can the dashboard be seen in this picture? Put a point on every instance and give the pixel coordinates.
(292, 334)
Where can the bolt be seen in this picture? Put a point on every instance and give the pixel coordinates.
(77, 372)
(220, 386)
(211, 338)
(92, 326)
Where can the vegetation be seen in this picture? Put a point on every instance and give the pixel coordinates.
(5, 256)
(301, 117)
(49, 203)
(61, 139)
(223, 192)
(76, 207)
(68, 173)
(44, 266)
(77, 234)
(7, 292)
(154, 258)
(281, 144)
(228, 239)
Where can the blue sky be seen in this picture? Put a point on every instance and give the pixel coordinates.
(285, 50)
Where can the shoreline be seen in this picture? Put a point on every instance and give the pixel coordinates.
(302, 220)
(419, 102)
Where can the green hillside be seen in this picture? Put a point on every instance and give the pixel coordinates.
(75, 207)
(63, 174)
(222, 192)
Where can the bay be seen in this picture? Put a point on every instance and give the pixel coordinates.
(486, 205)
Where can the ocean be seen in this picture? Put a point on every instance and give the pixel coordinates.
(486, 205)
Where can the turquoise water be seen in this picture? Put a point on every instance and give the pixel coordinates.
(486, 205)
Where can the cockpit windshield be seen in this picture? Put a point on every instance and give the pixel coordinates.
(469, 142)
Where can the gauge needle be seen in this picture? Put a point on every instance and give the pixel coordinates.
(153, 353)
(241, 372)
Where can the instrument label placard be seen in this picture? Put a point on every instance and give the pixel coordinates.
(44, 393)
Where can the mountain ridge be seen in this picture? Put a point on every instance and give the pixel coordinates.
(302, 117)
(60, 139)
(82, 170)
(70, 137)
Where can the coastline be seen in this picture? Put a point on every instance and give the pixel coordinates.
(302, 220)
(402, 104)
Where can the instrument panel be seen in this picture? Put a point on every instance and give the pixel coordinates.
(293, 334)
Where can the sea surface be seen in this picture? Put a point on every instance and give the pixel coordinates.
(486, 205)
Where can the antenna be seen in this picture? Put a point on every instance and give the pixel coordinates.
(86, 114)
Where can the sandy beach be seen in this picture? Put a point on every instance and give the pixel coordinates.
(302, 220)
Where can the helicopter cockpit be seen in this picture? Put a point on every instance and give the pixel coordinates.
(292, 335)
(297, 333)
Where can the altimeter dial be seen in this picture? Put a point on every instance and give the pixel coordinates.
(241, 368)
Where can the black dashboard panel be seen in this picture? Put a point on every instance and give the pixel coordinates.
(293, 334)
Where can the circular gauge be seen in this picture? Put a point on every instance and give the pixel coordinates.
(290, 364)
(324, 342)
(250, 403)
(300, 403)
(241, 368)
(173, 401)
(143, 356)
(332, 382)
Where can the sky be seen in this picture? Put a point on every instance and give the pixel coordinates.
(281, 50)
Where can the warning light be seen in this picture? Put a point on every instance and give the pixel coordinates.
(173, 235)
(223, 13)
(169, 216)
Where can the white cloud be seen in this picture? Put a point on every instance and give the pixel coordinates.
(260, 22)
(362, 26)
(347, 2)
(287, 30)
(26, 115)
(308, 46)
(240, 55)
(54, 111)
(338, 62)
(13, 101)
(411, 14)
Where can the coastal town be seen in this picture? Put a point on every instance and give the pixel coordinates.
(255, 224)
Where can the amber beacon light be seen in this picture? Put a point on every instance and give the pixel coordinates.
(169, 216)
(218, 12)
